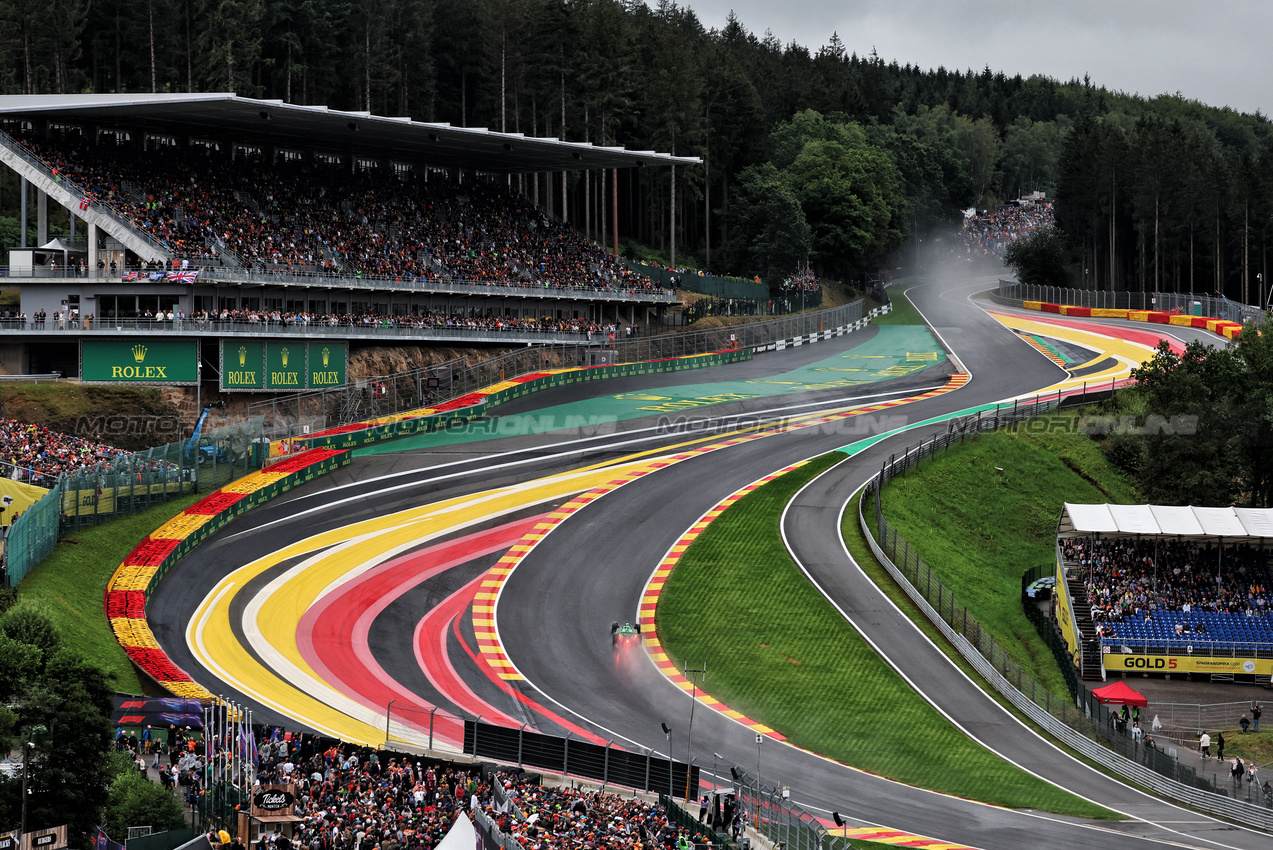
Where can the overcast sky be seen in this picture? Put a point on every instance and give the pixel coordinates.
(1216, 51)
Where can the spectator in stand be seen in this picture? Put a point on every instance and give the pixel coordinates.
(40, 455)
(1130, 579)
(315, 218)
(422, 319)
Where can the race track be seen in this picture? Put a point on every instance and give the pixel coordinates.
(393, 578)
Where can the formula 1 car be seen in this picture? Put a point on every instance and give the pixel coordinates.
(624, 633)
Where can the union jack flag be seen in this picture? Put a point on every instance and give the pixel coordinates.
(183, 277)
(130, 275)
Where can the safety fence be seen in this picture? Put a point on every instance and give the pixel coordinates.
(130, 483)
(475, 405)
(570, 756)
(1079, 720)
(1047, 631)
(770, 811)
(698, 281)
(299, 414)
(1168, 302)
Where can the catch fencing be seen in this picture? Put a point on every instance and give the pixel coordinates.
(707, 284)
(1183, 303)
(297, 414)
(771, 812)
(1077, 719)
(128, 484)
(572, 756)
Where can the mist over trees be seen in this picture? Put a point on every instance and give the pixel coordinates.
(1151, 193)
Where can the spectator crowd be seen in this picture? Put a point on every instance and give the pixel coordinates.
(39, 455)
(1130, 579)
(349, 797)
(990, 234)
(802, 281)
(323, 218)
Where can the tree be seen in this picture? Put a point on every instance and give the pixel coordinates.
(134, 800)
(29, 623)
(1039, 258)
(1182, 441)
(768, 234)
(851, 192)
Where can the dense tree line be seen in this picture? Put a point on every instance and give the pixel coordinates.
(1197, 428)
(1163, 192)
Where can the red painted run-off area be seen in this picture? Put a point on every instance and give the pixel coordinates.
(333, 638)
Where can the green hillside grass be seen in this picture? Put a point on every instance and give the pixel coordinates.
(778, 652)
(986, 511)
(71, 582)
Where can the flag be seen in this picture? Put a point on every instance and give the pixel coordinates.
(130, 275)
(183, 277)
(84, 202)
(156, 276)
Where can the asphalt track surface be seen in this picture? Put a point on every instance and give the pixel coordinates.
(554, 611)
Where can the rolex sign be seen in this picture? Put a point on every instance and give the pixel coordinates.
(134, 361)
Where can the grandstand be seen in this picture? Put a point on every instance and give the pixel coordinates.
(1170, 590)
(211, 215)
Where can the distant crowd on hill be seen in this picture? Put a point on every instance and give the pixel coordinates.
(318, 218)
(990, 234)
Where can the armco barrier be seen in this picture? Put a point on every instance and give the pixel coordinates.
(136, 578)
(994, 672)
(1218, 315)
(475, 405)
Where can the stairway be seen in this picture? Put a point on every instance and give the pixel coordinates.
(1091, 666)
(70, 196)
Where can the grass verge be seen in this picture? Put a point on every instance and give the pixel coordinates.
(785, 657)
(903, 312)
(984, 512)
(71, 582)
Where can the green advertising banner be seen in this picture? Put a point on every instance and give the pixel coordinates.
(130, 361)
(242, 365)
(327, 364)
(285, 366)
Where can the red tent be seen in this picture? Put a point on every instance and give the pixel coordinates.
(1119, 694)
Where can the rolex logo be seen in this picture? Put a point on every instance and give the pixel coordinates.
(326, 354)
(243, 356)
(139, 353)
(284, 355)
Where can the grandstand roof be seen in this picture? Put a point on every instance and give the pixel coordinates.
(228, 117)
(1167, 521)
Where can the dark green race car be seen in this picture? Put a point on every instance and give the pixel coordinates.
(624, 633)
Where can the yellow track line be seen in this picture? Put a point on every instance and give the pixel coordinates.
(284, 681)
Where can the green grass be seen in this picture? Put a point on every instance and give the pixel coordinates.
(985, 512)
(779, 653)
(903, 312)
(71, 582)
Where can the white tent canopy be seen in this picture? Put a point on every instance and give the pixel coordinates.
(1166, 521)
(461, 835)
